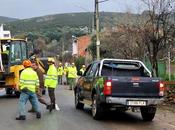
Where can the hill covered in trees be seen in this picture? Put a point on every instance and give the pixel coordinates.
(59, 21)
(7, 19)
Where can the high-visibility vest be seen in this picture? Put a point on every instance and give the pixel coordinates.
(60, 71)
(82, 70)
(29, 79)
(72, 72)
(6, 52)
(51, 79)
(65, 70)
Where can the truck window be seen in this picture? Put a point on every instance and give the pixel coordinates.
(93, 69)
(24, 50)
(113, 68)
(87, 72)
(16, 53)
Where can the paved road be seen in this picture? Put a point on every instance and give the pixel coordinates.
(68, 118)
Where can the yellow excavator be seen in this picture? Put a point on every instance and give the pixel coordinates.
(12, 53)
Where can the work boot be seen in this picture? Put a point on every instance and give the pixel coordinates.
(31, 111)
(38, 115)
(22, 117)
(49, 107)
(53, 106)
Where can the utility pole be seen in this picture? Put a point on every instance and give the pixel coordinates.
(97, 29)
(169, 63)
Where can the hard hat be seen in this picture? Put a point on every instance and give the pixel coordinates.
(26, 63)
(32, 58)
(73, 63)
(51, 60)
(66, 64)
(60, 63)
(83, 66)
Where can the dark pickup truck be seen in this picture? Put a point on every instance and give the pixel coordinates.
(119, 84)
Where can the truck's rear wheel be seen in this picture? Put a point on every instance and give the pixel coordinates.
(97, 110)
(78, 104)
(148, 113)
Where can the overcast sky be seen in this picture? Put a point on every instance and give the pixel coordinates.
(33, 8)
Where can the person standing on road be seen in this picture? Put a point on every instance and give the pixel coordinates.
(28, 85)
(51, 81)
(60, 73)
(41, 85)
(72, 75)
(66, 73)
(82, 70)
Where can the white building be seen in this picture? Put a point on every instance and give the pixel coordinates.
(3, 33)
(74, 46)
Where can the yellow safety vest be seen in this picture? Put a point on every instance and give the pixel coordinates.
(72, 72)
(65, 70)
(29, 79)
(60, 71)
(82, 71)
(51, 79)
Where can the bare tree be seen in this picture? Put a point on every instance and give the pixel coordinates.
(157, 29)
(125, 42)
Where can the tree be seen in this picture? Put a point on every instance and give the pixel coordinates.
(124, 42)
(157, 29)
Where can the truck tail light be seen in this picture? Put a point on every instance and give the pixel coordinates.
(161, 89)
(107, 87)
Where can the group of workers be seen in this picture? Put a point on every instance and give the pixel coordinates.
(69, 74)
(33, 81)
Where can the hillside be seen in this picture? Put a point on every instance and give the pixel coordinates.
(7, 19)
(72, 20)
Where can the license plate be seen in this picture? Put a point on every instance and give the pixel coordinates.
(136, 103)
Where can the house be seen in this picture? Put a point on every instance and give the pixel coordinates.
(4, 34)
(80, 44)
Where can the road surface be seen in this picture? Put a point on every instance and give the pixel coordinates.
(68, 118)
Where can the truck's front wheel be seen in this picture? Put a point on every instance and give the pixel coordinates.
(97, 110)
(78, 104)
(148, 113)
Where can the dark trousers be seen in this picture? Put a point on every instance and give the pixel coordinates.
(59, 79)
(52, 96)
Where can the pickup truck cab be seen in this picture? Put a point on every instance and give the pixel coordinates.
(119, 84)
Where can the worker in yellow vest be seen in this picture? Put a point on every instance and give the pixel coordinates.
(72, 75)
(60, 73)
(82, 70)
(41, 85)
(51, 81)
(29, 83)
(66, 73)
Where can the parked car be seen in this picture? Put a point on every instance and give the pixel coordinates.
(119, 84)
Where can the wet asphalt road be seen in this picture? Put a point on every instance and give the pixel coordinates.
(68, 118)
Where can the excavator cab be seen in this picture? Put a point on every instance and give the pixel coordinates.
(12, 53)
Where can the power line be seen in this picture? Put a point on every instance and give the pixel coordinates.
(103, 1)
